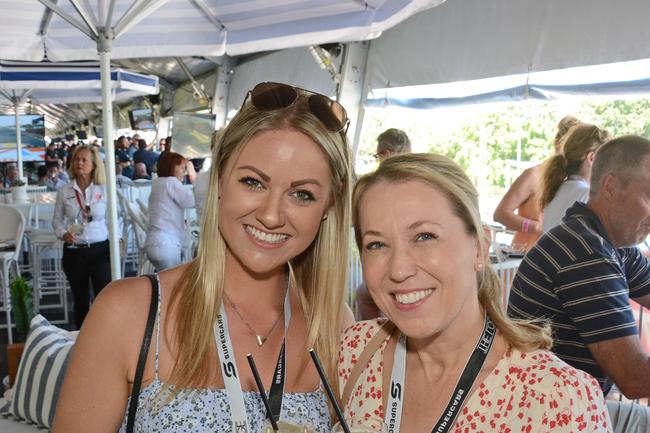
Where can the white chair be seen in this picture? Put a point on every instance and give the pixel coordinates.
(12, 230)
(49, 280)
(144, 208)
(139, 224)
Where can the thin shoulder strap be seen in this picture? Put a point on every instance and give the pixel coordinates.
(373, 345)
(144, 350)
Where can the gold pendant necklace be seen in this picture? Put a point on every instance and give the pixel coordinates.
(261, 339)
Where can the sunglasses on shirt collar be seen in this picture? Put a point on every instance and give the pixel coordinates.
(270, 96)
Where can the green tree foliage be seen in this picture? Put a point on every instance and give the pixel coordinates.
(494, 143)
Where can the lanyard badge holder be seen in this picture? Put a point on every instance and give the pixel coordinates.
(461, 392)
(231, 374)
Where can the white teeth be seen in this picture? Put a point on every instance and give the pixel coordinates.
(412, 297)
(271, 238)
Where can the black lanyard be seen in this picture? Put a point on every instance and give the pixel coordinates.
(464, 385)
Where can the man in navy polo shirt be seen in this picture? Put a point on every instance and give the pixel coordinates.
(581, 274)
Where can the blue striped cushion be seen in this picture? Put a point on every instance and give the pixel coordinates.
(40, 373)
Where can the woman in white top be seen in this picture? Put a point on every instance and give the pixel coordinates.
(80, 220)
(565, 176)
(167, 204)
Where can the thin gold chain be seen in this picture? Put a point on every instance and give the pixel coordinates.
(261, 339)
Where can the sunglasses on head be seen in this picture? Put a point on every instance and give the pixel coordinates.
(275, 96)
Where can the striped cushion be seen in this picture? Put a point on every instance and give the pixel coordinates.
(40, 373)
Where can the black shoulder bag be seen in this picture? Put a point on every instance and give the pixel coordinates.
(144, 350)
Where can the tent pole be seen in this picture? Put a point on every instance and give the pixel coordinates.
(104, 50)
(19, 144)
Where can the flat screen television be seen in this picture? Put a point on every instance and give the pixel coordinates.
(142, 119)
(191, 134)
(81, 135)
(32, 137)
(99, 131)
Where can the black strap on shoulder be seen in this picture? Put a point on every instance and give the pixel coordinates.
(144, 350)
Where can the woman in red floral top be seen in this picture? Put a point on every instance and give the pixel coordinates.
(454, 361)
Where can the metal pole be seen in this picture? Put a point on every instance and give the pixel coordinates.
(19, 144)
(104, 50)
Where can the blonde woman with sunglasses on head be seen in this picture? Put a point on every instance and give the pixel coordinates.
(268, 279)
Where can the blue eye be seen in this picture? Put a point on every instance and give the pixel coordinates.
(304, 196)
(375, 245)
(251, 183)
(426, 236)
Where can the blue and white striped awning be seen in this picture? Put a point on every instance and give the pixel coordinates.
(70, 82)
(208, 28)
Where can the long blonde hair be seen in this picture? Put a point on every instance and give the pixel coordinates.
(448, 177)
(576, 145)
(98, 174)
(319, 273)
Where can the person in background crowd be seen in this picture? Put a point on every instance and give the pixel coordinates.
(451, 355)
(120, 180)
(11, 175)
(519, 208)
(41, 174)
(140, 172)
(80, 221)
(269, 279)
(167, 204)
(162, 145)
(147, 157)
(565, 176)
(51, 153)
(54, 182)
(391, 142)
(582, 273)
(122, 156)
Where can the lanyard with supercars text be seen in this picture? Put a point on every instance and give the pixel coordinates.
(465, 382)
(231, 375)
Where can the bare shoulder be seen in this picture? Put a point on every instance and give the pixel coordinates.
(530, 176)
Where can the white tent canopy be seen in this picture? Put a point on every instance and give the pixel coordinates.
(210, 28)
(473, 39)
(32, 30)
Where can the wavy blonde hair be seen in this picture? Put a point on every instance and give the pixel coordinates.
(446, 176)
(319, 273)
(576, 145)
(98, 174)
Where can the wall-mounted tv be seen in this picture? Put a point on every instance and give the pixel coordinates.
(32, 137)
(142, 119)
(81, 135)
(99, 131)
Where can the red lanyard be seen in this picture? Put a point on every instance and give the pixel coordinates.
(84, 209)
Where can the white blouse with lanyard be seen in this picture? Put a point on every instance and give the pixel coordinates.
(88, 209)
(474, 364)
(231, 374)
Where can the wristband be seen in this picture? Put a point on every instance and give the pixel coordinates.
(525, 225)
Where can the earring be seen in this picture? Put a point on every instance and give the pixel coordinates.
(478, 267)
(324, 217)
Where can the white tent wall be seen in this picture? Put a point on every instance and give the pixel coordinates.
(183, 95)
(294, 66)
(472, 39)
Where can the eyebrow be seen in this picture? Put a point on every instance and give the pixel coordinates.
(260, 173)
(267, 178)
(412, 226)
(421, 223)
(305, 181)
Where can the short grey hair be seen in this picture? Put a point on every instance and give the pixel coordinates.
(623, 157)
(394, 140)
